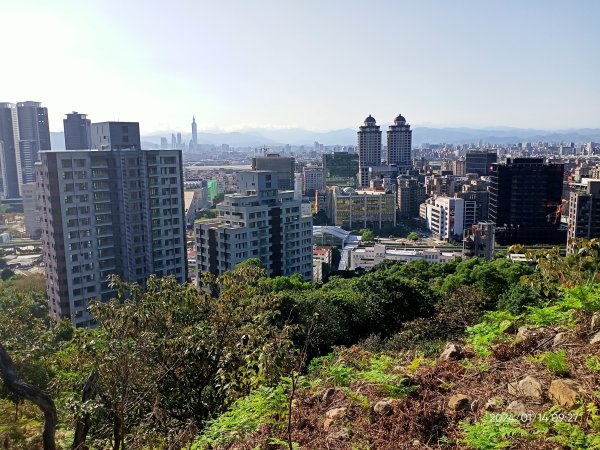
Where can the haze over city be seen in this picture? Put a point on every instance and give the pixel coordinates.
(315, 65)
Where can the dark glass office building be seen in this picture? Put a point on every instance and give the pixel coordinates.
(340, 169)
(480, 161)
(525, 202)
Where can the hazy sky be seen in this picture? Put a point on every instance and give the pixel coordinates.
(318, 64)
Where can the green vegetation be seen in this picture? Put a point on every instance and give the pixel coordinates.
(413, 236)
(260, 361)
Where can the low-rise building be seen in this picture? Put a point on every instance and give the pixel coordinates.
(368, 257)
(447, 217)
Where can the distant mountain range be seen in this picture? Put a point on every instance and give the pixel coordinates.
(255, 137)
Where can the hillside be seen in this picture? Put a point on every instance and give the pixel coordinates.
(471, 354)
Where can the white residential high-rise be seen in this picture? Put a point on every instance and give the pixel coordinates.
(447, 217)
(257, 222)
(368, 149)
(399, 144)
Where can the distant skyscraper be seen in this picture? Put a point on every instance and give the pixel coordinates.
(340, 169)
(194, 134)
(399, 144)
(163, 143)
(9, 137)
(179, 146)
(24, 131)
(526, 200)
(116, 135)
(173, 141)
(369, 149)
(78, 131)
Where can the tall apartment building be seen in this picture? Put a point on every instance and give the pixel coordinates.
(355, 209)
(24, 131)
(410, 194)
(399, 144)
(584, 214)
(480, 161)
(108, 212)
(283, 165)
(526, 201)
(368, 149)
(340, 169)
(78, 131)
(259, 221)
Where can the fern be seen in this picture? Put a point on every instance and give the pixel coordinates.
(490, 433)
(482, 335)
(556, 362)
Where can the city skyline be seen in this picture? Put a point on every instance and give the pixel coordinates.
(275, 65)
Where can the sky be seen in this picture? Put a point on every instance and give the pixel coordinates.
(315, 64)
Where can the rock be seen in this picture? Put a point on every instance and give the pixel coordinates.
(475, 405)
(528, 387)
(493, 403)
(595, 322)
(595, 338)
(564, 392)
(327, 424)
(451, 351)
(459, 402)
(559, 339)
(384, 407)
(517, 407)
(328, 395)
(524, 332)
(339, 435)
(335, 413)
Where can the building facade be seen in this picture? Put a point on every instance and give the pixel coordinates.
(340, 169)
(31, 210)
(283, 165)
(78, 131)
(368, 149)
(584, 214)
(108, 212)
(399, 144)
(312, 180)
(355, 209)
(116, 136)
(526, 201)
(259, 221)
(447, 217)
(410, 194)
(368, 257)
(480, 161)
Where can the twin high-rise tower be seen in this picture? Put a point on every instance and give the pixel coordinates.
(399, 144)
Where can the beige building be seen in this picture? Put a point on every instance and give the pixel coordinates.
(355, 209)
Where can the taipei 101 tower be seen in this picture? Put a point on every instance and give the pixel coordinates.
(194, 134)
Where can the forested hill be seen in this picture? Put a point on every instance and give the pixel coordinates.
(469, 354)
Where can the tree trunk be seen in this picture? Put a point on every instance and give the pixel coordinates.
(83, 423)
(33, 394)
(117, 432)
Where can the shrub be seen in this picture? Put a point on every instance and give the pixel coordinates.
(556, 362)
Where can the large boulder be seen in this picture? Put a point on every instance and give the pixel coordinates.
(517, 408)
(595, 338)
(528, 387)
(564, 392)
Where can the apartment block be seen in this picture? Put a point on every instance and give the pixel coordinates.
(258, 221)
(108, 212)
(584, 214)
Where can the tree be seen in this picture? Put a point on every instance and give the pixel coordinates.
(412, 236)
(6, 274)
(367, 235)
